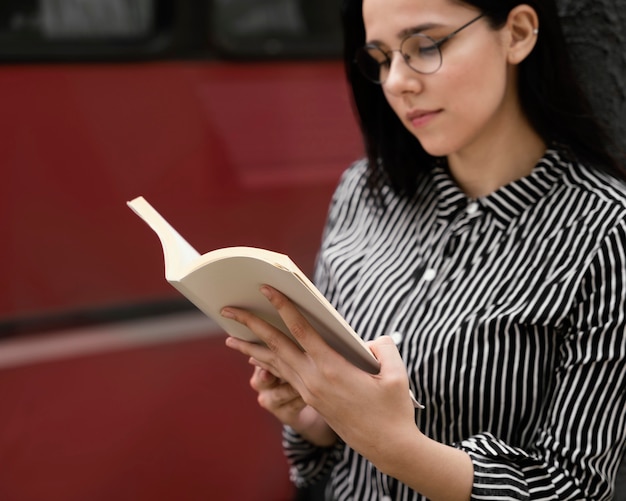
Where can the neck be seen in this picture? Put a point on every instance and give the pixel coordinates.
(511, 152)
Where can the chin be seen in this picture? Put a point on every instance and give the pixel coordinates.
(436, 145)
(437, 149)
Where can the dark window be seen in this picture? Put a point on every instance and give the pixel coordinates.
(56, 20)
(32, 30)
(48, 30)
(287, 28)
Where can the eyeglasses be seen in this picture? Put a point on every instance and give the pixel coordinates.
(420, 52)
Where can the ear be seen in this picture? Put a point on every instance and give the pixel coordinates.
(523, 29)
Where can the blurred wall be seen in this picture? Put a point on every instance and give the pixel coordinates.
(596, 31)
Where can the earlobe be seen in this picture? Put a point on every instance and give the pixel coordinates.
(523, 26)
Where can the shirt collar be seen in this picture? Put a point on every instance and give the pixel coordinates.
(508, 202)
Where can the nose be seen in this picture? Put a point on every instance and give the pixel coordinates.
(401, 78)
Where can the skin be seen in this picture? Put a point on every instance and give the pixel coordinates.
(479, 126)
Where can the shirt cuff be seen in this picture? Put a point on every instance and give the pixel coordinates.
(308, 463)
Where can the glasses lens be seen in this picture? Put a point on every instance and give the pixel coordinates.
(421, 53)
(373, 63)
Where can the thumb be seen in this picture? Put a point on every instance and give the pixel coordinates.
(391, 364)
(386, 352)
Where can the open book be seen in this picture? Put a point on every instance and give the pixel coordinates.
(232, 276)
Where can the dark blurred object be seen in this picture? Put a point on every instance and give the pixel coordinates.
(87, 19)
(89, 30)
(279, 28)
(596, 32)
(51, 29)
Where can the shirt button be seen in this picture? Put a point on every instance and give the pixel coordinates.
(472, 208)
(397, 337)
(429, 275)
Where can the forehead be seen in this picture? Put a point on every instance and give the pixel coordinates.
(386, 19)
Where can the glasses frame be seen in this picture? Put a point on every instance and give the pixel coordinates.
(437, 44)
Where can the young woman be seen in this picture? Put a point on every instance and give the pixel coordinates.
(480, 249)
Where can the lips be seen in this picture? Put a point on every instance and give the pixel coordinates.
(419, 118)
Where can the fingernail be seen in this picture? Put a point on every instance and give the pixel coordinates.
(226, 313)
(266, 292)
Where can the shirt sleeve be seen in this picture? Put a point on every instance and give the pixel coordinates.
(580, 441)
(308, 463)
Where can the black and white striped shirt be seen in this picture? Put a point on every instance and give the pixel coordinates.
(510, 314)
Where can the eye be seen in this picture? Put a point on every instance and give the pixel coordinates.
(420, 46)
(430, 50)
(373, 62)
(377, 55)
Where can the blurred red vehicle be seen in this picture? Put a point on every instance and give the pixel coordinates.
(238, 137)
(232, 118)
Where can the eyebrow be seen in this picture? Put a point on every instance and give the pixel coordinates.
(410, 31)
(418, 29)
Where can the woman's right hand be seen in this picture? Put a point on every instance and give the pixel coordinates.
(284, 402)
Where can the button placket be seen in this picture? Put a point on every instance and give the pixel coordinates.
(460, 227)
(429, 275)
(397, 322)
(472, 208)
(397, 337)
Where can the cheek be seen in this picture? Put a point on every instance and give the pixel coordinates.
(475, 93)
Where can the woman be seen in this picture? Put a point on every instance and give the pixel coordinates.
(480, 249)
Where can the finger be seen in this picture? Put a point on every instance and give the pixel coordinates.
(253, 350)
(275, 340)
(386, 351)
(298, 325)
(262, 379)
(271, 370)
(268, 360)
(281, 396)
(393, 369)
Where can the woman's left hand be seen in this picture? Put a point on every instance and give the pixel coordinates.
(371, 413)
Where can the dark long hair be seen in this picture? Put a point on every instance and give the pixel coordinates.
(550, 95)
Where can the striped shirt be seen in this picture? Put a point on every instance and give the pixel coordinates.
(509, 312)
